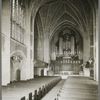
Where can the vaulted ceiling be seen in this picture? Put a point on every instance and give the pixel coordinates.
(56, 15)
(49, 18)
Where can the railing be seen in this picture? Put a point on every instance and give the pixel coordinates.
(69, 61)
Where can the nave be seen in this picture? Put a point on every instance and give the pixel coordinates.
(72, 88)
(49, 49)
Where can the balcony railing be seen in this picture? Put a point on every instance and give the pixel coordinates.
(68, 60)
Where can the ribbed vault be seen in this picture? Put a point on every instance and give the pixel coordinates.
(52, 16)
(56, 12)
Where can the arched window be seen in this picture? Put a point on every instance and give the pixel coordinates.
(17, 20)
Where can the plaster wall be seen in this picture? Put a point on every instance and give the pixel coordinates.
(9, 46)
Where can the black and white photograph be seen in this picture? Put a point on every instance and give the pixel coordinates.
(49, 49)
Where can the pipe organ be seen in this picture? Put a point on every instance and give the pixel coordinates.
(66, 45)
(66, 57)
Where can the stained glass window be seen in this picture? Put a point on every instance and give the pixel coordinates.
(17, 21)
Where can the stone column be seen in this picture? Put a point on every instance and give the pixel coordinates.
(46, 50)
(72, 45)
(60, 45)
(86, 48)
(96, 45)
(66, 44)
(29, 63)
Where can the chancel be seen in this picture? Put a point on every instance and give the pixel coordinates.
(49, 49)
(68, 51)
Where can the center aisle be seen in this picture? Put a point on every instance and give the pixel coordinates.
(74, 88)
(53, 93)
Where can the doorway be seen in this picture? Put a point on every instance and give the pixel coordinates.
(42, 72)
(18, 75)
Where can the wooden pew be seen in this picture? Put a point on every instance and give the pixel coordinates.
(35, 95)
(38, 94)
(30, 96)
(23, 98)
(43, 90)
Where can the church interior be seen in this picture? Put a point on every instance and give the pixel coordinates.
(49, 49)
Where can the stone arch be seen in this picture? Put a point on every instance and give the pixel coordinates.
(86, 33)
(85, 37)
(17, 65)
(38, 38)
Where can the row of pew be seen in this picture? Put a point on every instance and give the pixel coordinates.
(42, 91)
